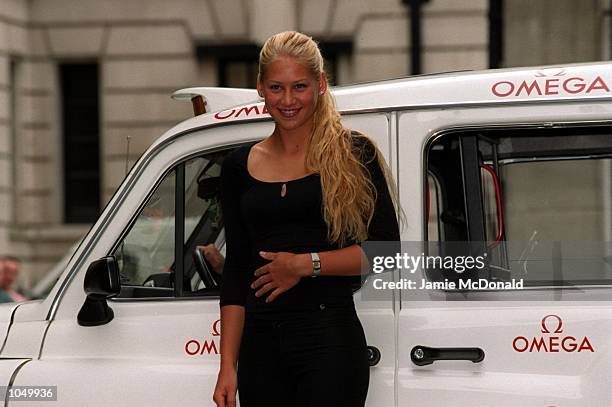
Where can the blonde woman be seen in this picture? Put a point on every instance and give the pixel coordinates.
(296, 205)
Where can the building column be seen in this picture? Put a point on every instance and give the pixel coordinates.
(268, 17)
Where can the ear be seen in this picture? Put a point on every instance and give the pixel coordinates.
(260, 89)
(323, 84)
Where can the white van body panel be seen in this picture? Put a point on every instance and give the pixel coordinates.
(146, 339)
(7, 311)
(9, 367)
(444, 91)
(505, 377)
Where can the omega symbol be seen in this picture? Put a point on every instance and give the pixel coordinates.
(545, 325)
(215, 328)
(550, 72)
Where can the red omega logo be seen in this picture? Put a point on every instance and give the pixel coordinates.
(552, 317)
(246, 111)
(215, 328)
(201, 347)
(551, 340)
(551, 81)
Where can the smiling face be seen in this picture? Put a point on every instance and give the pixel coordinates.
(291, 92)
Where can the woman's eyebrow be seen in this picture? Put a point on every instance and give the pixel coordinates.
(272, 81)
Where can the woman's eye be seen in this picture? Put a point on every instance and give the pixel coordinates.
(274, 87)
(300, 86)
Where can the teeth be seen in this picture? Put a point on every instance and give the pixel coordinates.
(288, 112)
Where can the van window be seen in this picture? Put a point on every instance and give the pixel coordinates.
(540, 200)
(203, 222)
(149, 246)
(147, 255)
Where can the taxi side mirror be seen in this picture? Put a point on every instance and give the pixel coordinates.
(101, 282)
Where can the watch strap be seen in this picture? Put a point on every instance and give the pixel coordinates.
(316, 264)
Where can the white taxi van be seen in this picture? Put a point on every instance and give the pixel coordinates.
(520, 159)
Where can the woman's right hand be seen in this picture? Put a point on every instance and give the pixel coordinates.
(226, 388)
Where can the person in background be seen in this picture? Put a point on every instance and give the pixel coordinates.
(4, 296)
(9, 276)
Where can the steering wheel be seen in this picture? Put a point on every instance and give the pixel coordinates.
(204, 270)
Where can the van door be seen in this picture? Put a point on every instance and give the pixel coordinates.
(534, 200)
(376, 312)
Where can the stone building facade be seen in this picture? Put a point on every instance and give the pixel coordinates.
(107, 68)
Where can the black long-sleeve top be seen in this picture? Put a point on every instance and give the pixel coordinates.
(257, 218)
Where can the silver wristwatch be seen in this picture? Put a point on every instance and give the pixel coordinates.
(316, 264)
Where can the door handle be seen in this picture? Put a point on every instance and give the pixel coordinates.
(423, 355)
(373, 355)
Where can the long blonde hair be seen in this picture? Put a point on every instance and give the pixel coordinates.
(349, 195)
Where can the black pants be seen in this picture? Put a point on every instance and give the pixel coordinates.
(312, 358)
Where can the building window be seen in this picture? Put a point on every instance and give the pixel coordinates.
(332, 52)
(496, 33)
(237, 73)
(81, 141)
(237, 64)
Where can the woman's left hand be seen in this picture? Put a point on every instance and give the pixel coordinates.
(283, 272)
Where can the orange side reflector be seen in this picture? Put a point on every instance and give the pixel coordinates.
(199, 107)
